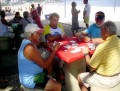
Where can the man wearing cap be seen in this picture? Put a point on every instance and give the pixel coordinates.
(93, 32)
(31, 64)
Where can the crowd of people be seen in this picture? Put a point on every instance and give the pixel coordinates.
(36, 71)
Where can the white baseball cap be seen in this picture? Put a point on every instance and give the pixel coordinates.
(31, 28)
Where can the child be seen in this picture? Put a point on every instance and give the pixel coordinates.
(74, 12)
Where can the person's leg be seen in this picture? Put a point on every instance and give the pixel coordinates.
(53, 85)
(57, 72)
(86, 21)
(82, 87)
(40, 84)
(87, 25)
(73, 28)
(49, 71)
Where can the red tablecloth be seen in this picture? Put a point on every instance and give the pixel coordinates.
(71, 49)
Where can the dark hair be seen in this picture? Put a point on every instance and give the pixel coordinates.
(26, 14)
(17, 13)
(73, 4)
(32, 5)
(99, 15)
(2, 13)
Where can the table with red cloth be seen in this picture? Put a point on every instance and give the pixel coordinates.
(71, 49)
(74, 62)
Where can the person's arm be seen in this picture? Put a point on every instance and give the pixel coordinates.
(78, 11)
(11, 21)
(84, 12)
(82, 33)
(93, 40)
(52, 38)
(43, 44)
(42, 9)
(98, 40)
(38, 22)
(87, 57)
(83, 36)
(5, 22)
(75, 12)
(32, 53)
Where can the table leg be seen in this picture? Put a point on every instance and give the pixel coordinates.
(71, 72)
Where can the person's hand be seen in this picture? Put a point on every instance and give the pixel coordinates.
(85, 50)
(79, 36)
(63, 36)
(50, 44)
(56, 47)
(83, 17)
(96, 44)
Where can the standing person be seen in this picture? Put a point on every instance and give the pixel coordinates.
(4, 31)
(32, 8)
(36, 18)
(30, 63)
(14, 22)
(105, 62)
(39, 9)
(74, 12)
(86, 12)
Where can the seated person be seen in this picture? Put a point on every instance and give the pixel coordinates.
(16, 29)
(16, 18)
(93, 32)
(15, 21)
(30, 63)
(54, 31)
(104, 64)
(4, 31)
(27, 19)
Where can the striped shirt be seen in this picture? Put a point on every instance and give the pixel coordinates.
(106, 58)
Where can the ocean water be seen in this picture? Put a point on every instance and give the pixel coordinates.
(107, 3)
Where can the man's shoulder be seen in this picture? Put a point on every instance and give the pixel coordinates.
(46, 29)
(46, 26)
(93, 25)
(88, 4)
(39, 7)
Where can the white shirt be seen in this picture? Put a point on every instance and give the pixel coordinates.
(87, 9)
(3, 28)
(4, 31)
(56, 31)
(25, 22)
